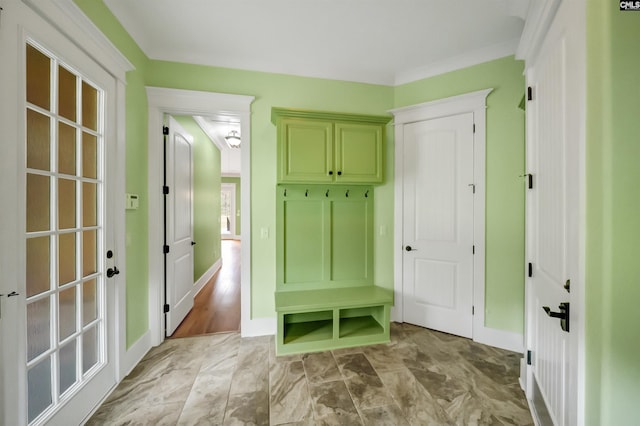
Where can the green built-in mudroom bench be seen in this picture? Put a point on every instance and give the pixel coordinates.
(318, 320)
(328, 164)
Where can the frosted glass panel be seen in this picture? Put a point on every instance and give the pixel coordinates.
(67, 312)
(89, 204)
(66, 149)
(38, 140)
(89, 253)
(89, 349)
(66, 203)
(89, 156)
(89, 106)
(66, 94)
(39, 388)
(38, 256)
(66, 258)
(37, 203)
(38, 78)
(38, 327)
(89, 302)
(67, 367)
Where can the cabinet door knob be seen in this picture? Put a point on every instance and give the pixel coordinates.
(339, 173)
(330, 172)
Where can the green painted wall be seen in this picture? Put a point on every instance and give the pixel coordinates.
(206, 198)
(504, 275)
(293, 92)
(612, 317)
(137, 258)
(236, 180)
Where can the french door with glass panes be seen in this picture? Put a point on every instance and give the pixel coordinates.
(61, 361)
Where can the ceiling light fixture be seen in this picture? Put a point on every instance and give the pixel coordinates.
(233, 139)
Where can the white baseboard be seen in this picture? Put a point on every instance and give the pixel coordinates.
(499, 338)
(259, 327)
(204, 279)
(231, 237)
(135, 353)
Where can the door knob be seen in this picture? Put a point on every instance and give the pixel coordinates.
(193, 243)
(563, 315)
(112, 271)
(409, 248)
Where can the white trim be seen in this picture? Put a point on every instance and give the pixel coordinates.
(189, 102)
(539, 18)
(259, 327)
(135, 353)
(468, 59)
(208, 274)
(69, 19)
(474, 102)
(499, 338)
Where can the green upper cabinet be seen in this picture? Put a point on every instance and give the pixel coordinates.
(326, 147)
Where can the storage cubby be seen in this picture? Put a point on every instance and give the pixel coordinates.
(308, 327)
(360, 322)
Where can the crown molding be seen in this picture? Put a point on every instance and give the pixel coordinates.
(539, 17)
(69, 19)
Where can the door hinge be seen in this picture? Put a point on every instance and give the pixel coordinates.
(165, 130)
(529, 358)
(529, 93)
(165, 249)
(530, 270)
(530, 176)
(473, 310)
(474, 127)
(165, 190)
(473, 249)
(165, 308)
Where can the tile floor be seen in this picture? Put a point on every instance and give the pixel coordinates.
(422, 377)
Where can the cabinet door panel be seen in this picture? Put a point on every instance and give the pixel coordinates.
(358, 153)
(351, 247)
(306, 151)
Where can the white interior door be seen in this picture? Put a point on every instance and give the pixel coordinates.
(438, 224)
(179, 225)
(228, 211)
(58, 119)
(553, 205)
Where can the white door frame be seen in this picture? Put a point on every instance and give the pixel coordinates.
(474, 102)
(188, 102)
(232, 187)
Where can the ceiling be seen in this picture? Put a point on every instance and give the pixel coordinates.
(386, 42)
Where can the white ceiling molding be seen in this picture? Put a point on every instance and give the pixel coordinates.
(202, 122)
(69, 19)
(539, 17)
(479, 56)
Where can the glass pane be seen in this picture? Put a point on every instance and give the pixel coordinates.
(38, 141)
(39, 388)
(66, 203)
(38, 257)
(66, 94)
(89, 106)
(89, 349)
(89, 204)
(67, 312)
(66, 149)
(89, 302)
(89, 253)
(89, 157)
(37, 203)
(38, 78)
(66, 258)
(67, 368)
(38, 329)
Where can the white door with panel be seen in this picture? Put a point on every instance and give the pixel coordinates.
(438, 224)
(58, 222)
(553, 206)
(179, 225)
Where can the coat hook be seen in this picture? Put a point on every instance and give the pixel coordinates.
(347, 194)
(306, 192)
(326, 194)
(285, 192)
(366, 194)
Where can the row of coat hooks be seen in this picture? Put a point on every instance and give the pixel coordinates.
(326, 194)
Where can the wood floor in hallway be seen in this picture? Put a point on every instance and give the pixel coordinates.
(216, 308)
